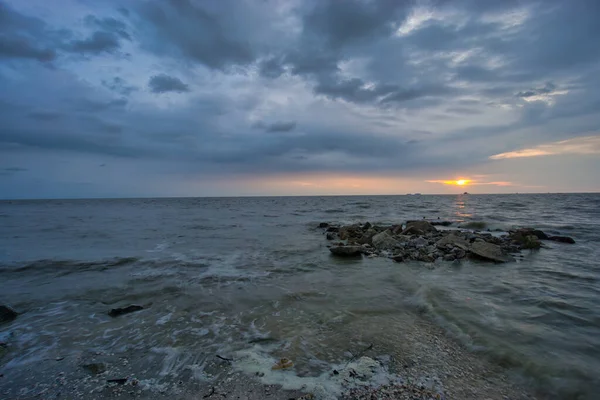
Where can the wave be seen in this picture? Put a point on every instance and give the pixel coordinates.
(77, 265)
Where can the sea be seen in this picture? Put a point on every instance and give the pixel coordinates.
(253, 275)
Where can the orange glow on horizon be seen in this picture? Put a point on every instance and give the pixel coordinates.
(458, 182)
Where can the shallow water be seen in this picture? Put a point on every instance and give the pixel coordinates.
(228, 275)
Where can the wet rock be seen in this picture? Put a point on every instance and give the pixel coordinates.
(366, 226)
(323, 225)
(7, 314)
(459, 253)
(424, 226)
(441, 223)
(95, 368)
(449, 257)
(352, 231)
(419, 242)
(489, 251)
(385, 241)
(528, 231)
(562, 239)
(346, 251)
(333, 229)
(453, 240)
(531, 242)
(399, 257)
(330, 236)
(115, 312)
(367, 237)
(418, 228)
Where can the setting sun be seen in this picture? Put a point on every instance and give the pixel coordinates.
(462, 182)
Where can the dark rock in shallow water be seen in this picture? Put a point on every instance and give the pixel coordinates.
(441, 223)
(95, 368)
(348, 232)
(454, 240)
(115, 312)
(489, 251)
(367, 226)
(449, 257)
(385, 241)
(330, 236)
(562, 239)
(333, 229)
(346, 251)
(7, 314)
(420, 226)
(367, 237)
(323, 225)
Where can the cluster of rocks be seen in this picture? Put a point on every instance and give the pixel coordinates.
(422, 241)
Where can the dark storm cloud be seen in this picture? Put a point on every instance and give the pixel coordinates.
(19, 36)
(278, 126)
(98, 42)
(340, 23)
(548, 88)
(119, 85)
(109, 24)
(165, 83)
(199, 31)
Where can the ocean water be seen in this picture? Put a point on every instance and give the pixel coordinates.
(253, 276)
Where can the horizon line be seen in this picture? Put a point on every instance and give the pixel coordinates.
(283, 195)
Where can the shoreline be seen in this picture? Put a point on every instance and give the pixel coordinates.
(427, 362)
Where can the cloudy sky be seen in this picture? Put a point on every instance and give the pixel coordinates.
(291, 97)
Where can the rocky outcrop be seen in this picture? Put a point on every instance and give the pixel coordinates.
(562, 239)
(346, 251)
(7, 314)
(115, 312)
(489, 251)
(421, 241)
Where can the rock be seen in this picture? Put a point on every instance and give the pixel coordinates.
(441, 223)
(367, 237)
(453, 240)
(115, 312)
(385, 241)
(418, 228)
(562, 239)
(419, 242)
(118, 381)
(366, 226)
(531, 242)
(323, 225)
(330, 236)
(424, 226)
(529, 231)
(352, 231)
(489, 251)
(95, 368)
(333, 229)
(449, 257)
(346, 251)
(399, 257)
(459, 253)
(7, 314)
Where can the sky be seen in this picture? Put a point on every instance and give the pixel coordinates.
(124, 98)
